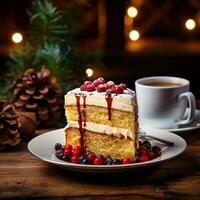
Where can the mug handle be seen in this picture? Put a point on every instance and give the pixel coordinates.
(192, 107)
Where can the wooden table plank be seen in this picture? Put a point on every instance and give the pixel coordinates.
(22, 175)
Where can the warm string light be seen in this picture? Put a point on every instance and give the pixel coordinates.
(89, 72)
(134, 35)
(17, 37)
(132, 12)
(190, 24)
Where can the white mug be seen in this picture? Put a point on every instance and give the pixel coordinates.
(162, 101)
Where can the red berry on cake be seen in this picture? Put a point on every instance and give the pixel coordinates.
(83, 88)
(110, 84)
(118, 89)
(74, 159)
(101, 80)
(126, 161)
(90, 88)
(87, 82)
(97, 161)
(101, 88)
(122, 85)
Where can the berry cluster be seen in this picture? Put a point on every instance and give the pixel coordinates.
(101, 86)
(67, 153)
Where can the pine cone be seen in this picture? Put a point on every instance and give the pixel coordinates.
(38, 92)
(9, 125)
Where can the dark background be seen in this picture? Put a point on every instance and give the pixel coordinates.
(165, 46)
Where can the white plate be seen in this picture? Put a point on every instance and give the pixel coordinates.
(189, 127)
(42, 147)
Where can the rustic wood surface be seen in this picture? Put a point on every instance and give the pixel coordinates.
(22, 176)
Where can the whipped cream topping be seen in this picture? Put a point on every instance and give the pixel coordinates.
(125, 101)
(104, 129)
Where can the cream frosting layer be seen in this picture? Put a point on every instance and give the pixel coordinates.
(104, 129)
(125, 101)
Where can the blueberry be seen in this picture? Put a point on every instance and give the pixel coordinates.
(117, 162)
(147, 144)
(156, 149)
(136, 159)
(80, 159)
(59, 154)
(58, 146)
(108, 161)
(85, 161)
(140, 143)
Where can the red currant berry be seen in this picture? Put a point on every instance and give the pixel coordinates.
(77, 148)
(91, 156)
(142, 152)
(74, 159)
(122, 85)
(118, 89)
(151, 155)
(83, 88)
(67, 151)
(68, 146)
(97, 161)
(144, 158)
(110, 84)
(90, 88)
(126, 161)
(95, 83)
(101, 88)
(87, 82)
(142, 148)
(75, 152)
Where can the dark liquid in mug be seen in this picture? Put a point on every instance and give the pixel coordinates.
(163, 84)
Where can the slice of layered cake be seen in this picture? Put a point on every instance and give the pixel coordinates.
(102, 118)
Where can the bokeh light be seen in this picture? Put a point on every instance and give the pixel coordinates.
(190, 24)
(134, 35)
(89, 72)
(132, 11)
(17, 37)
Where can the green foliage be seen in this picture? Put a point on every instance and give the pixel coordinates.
(49, 42)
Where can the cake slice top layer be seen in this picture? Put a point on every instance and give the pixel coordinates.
(124, 101)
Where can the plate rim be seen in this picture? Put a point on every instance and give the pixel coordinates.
(103, 167)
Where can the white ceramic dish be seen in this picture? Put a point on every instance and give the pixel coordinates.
(42, 147)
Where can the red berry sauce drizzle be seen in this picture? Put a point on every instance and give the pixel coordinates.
(84, 109)
(80, 120)
(109, 106)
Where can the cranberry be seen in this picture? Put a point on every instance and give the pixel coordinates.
(83, 87)
(77, 148)
(58, 146)
(74, 159)
(76, 152)
(97, 161)
(110, 84)
(91, 157)
(87, 82)
(118, 89)
(101, 88)
(90, 88)
(122, 85)
(126, 161)
(144, 158)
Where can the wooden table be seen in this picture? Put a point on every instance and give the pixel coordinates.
(22, 176)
